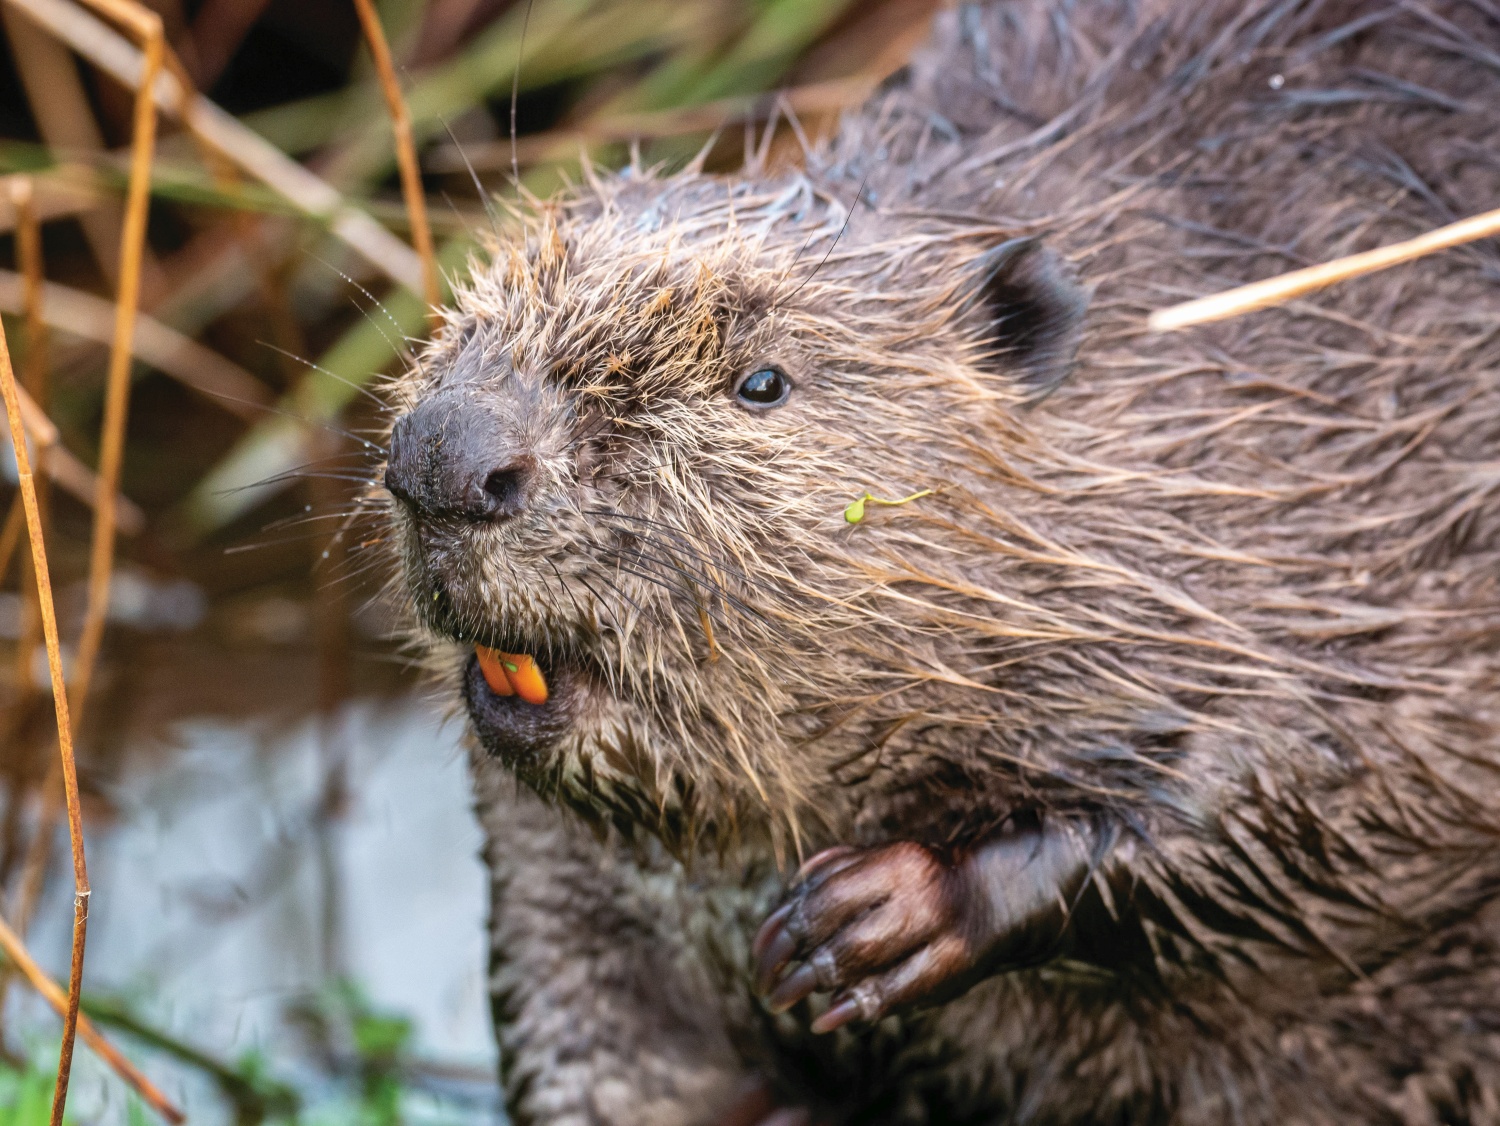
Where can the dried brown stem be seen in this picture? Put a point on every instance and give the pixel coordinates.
(201, 369)
(34, 379)
(1284, 287)
(20, 957)
(117, 389)
(249, 151)
(147, 26)
(406, 156)
(64, 723)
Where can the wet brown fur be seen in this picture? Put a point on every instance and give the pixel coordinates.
(1232, 593)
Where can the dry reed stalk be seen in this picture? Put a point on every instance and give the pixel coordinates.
(74, 476)
(1284, 287)
(34, 379)
(64, 724)
(148, 26)
(252, 153)
(65, 189)
(64, 117)
(117, 388)
(43, 433)
(406, 157)
(182, 358)
(20, 957)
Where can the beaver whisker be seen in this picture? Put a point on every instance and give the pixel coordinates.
(402, 350)
(662, 554)
(662, 558)
(614, 588)
(382, 405)
(848, 215)
(681, 536)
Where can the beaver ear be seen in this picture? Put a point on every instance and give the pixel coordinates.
(1031, 310)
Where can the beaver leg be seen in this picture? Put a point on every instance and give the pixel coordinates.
(902, 923)
(604, 1014)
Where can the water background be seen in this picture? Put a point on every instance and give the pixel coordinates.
(212, 914)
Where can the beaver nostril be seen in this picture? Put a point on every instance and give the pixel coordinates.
(452, 458)
(506, 489)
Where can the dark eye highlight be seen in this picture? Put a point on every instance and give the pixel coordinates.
(763, 388)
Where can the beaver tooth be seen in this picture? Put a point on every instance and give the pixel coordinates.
(510, 674)
(525, 677)
(494, 671)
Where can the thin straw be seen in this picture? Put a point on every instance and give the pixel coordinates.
(1284, 287)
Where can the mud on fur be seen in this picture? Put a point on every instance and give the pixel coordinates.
(1153, 749)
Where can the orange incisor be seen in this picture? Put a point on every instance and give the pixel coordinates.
(512, 674)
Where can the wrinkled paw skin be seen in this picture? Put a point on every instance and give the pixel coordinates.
(888, 927)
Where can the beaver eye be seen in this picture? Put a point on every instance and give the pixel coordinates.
(763, 388)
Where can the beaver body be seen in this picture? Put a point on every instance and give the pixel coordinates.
(1156, 745)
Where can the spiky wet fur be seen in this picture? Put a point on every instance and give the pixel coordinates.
(1232, 593)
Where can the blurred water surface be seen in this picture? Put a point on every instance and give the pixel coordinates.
(224, 904)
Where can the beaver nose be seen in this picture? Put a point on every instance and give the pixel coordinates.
(450, 458)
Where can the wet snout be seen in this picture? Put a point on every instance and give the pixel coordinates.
(453, 456)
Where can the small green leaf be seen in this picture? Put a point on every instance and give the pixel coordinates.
(856, 511)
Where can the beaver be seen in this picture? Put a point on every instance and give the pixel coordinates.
(1135, 762)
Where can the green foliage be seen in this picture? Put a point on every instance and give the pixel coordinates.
(368, 1047)
(26, 1091)
(360, 1058)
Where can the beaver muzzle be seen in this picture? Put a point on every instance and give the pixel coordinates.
(523, 734)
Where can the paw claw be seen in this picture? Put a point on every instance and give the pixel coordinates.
(794, 987)
(774, 956)
(840, 1013)
(770, 928)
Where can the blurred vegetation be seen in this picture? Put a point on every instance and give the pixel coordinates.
(26, 1092)
(362, 1070)
(248, 587)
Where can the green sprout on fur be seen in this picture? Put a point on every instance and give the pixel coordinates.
(856, 511)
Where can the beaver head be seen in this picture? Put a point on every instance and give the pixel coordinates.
(631, 454)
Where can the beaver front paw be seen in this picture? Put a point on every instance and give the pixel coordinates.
(886, 927)
(877, 927)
